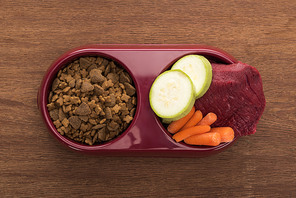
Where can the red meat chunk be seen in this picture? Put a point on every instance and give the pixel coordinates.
(235, 96)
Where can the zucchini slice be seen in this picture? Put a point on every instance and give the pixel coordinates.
(172, 95)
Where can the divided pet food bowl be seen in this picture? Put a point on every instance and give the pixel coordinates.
(146, 135)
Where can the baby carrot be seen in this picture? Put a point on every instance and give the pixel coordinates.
(226, 133)
(207, 139)
(209, 119)
(197, 116)
(178, 124)
(181, 135)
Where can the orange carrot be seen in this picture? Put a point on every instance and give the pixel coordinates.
(207, 139)
(209, 119)
(181, 135)
(226, 133)
(175, 126)
(197, 116)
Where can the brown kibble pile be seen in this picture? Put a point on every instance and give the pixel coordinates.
(92, 100)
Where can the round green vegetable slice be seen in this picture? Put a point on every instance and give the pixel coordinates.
(199, 69)
(172, 95)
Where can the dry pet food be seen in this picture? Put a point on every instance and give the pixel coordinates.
(92, 100)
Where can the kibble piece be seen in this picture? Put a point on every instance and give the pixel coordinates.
(84, 63)
(112, 134)
(54, 114)
(72, 83)
(50, 96)
(75, 122)
(116, 108)
(66, 109)
(98, 90)
(102, 121)
(75, 100)
(92, 104)
(91, 67)
(123, 106)
(132, 112)
(50, 106)
(130, 90)
(102, 134)
(71, 72)
(99, 126)
(65, 122)
(106, 84)
(54, 98)
(63, 75)
(108, 113)
(66, 89)
(83, 73)
(84, 118)
(129, 104)
(110, 100)
(134, 101)
(60, 131)
(62, 115)
(105, 62)
(68, 78)
(83, 109)
(57, 124)
(113, 77)
(60, 101)
(96, 76)
(67, 98)
(95, 98)
(125, 97)
(86, 86)
(83, 127)
(55, 84)
(102, 113)
(88, 141)
(92, 59)
(121, 86)
(112, 126)
(92, 121)
(62, 85)
(95, 138)
(98, 109)
(78, 83)
(89, 126)
(123, 78)
(99, 60)
(128, 119)
(93, 132)
(124, 113)
(101, 99)
(93, 115)
(117, 119)
(84, 99)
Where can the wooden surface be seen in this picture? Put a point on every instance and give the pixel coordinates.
(34, 33)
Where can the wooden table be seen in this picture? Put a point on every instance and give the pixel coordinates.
(34, 33)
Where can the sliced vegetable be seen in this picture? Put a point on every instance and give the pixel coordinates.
(197, 116)
(175, 126)
(171, 95)
(209, 119)
(199, 69)
(181, 135)
(206, 139)
(226, 133)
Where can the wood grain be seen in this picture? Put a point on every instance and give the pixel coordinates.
(34, 33)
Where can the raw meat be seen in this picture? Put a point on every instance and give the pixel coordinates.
(235, 96)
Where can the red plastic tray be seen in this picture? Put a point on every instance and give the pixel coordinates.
(145, 136)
